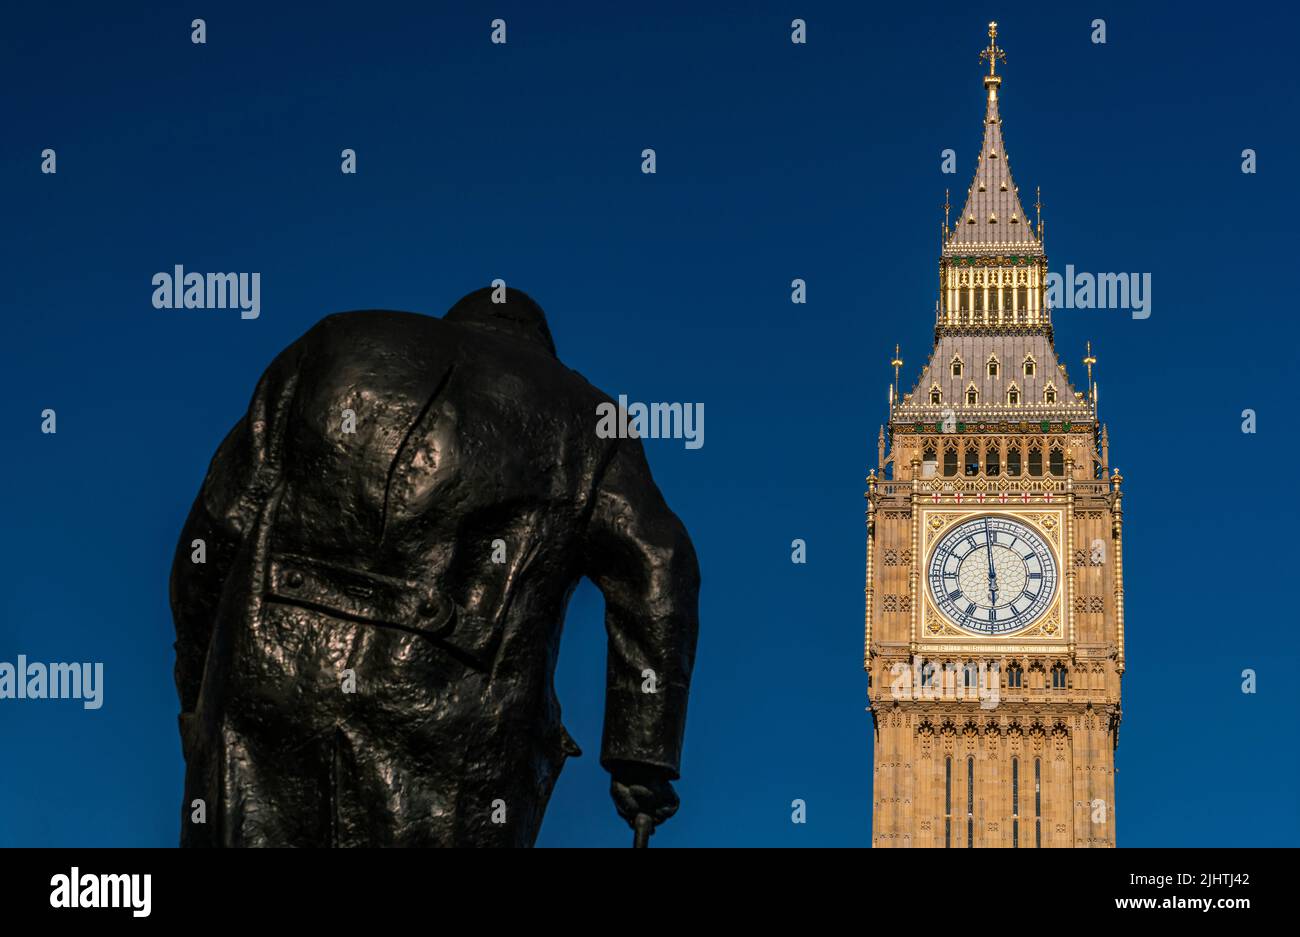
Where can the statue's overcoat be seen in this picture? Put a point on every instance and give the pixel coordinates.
(390, 537)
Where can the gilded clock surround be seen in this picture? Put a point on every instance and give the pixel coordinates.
(938, 627)
(1001, 717)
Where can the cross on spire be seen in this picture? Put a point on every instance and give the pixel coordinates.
(993, 53)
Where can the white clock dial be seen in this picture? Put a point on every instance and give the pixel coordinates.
(992, 575)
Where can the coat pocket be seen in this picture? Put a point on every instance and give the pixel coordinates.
(355, 594)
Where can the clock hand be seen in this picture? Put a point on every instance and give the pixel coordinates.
(993, 576)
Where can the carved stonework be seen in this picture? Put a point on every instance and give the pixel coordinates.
(894, 557)
(938, 626)
(1050, 524)
(896, 603)
(1084, 558)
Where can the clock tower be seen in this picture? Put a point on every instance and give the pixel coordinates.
(994, 578)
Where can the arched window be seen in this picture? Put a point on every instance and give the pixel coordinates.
(972, 458)
(927, 674)
(1015, 803)
(993, 366)
(956, 367)
(1059, 676)
(1049, 395)
(1013, 460)
(947, 802)
(1013, 396)
(972, 395)
(970, 803)
(1035, 460)
(992, 458)
(929, 461)
(1038, 803)
(970, 676)
(1056, 461)
(950, 460)
(1029, 365)
(1015, 676)
(936, 396)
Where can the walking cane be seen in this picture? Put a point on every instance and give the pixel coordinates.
(645, 825)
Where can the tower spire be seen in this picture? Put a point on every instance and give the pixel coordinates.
(993, 219)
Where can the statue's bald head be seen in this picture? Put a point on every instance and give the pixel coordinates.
(519, 315)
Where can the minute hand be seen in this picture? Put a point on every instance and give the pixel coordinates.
(993, 576)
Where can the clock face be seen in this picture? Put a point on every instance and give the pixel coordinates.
(992, 575)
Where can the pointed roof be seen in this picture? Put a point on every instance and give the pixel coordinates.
(993, 217)
(974, 350)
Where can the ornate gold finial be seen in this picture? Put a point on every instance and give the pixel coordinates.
(946, 206)
(993, 53)
(897, 363)
(1038, 208)
(1089, 360)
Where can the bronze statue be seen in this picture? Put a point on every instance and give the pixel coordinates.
(389, 539)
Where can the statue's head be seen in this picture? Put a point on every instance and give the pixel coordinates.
(518, 315)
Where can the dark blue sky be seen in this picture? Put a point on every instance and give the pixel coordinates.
(775, 161)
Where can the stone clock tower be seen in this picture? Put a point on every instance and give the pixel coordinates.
(995, 588)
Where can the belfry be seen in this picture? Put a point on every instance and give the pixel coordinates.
(994, 575)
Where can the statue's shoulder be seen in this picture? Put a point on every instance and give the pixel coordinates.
(378, 322)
